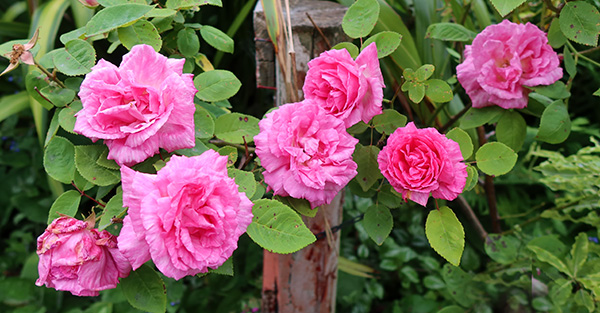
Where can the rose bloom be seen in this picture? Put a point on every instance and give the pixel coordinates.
(350, 90)
(306, 152)
(187, 218)
(77, 258)
(420, 162)
(144, 104)
(502, 59)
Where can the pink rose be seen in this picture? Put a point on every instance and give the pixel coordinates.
(306, 152)
(186, 218)
(502, 59)
(144, 104)
(76, 258)
(350, 90)
(419, 162)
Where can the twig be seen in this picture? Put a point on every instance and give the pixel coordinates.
(468, 211)
(221, 143)
(490, 191)
(86, 195)
(551, 6)
(453, 119)
(50, 75)
(320, 31)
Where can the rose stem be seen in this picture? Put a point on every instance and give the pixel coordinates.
(490, 191)
(53, 77)
(86, 195)
(455, 118)
(320, 31)
(468, 211)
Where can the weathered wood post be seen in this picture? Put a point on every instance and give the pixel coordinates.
(304, 281)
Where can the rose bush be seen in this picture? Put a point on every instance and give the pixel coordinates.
(144, 104)
(348, 89)
(187, 218)
(306, 152)
(77, 258)
(502, 59)
(420, 162)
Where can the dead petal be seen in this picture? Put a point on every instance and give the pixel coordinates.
(10, 67)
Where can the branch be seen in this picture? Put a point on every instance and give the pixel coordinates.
(468, 211)
(490, 191)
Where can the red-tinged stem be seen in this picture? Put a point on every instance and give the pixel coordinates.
(490, 190)
(86, 195)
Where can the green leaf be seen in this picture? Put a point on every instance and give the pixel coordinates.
(198, 149)
(464, 141)
(231, 153)
(433, 282)
(495, 158)
(357, 128)
(378, 223)
(145, 290)
(424, 72)
(472, 178)
(57, 95)
(85, 161)
(203, 123)
(555, 91)
(555, 36)
(477, 117)
(387, 42)
(597, 92)
(452, 309)
(244, 180)
(416, 91)
(110, 3)
(368, 168)
(438, 90)
(545, 255)
(449, 32)
(216, 38)
(389, 197)
(511, 130)
(579, 252)
(142, 32)
(116, 16)
(216, 85)
(278, 228)
(445, 234)
(105, 162)
(569, 61)
(301, 206)
(502, 249)
(13, 104)
(66, 204)
(76, 58)
(59, 159)
(177, 4)
(360, 18)
(388, 121)
(555, 125)
(160, 13)
(350, 47)
(113, 209)
(506, 6)
(66, 116)
(233, 127)
(579, 22)
(584, 298)
(36, 80)
(188, 42)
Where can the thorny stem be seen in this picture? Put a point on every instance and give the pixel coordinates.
(455, 118)
(468, 211)
(490, 191)
(50, 75)
(86, 195)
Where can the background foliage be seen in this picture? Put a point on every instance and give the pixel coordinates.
(544, 258)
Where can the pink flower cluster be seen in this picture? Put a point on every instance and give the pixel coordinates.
(502, 59)
(187, 218)
(144, 104)
(304, 147)
(420, 162)
(77, 258)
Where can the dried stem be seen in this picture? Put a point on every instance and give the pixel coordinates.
(490, 191)
(221, 143)
(320, 31)
(455, 118)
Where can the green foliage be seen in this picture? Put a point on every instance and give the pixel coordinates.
(65, 204)
(77, 58)
(387, 42)
(216, 38)
(145, 290)
(142, 32)
(578, 22)
(445, 234)
(236, 128)
(378, 223)
(216, 85)
(368, 168)
(360, 18)
(112, 17)
(506, 6)
(495, 158)
(464, 141)
(450, 32)
(277, 228)
(555, 125)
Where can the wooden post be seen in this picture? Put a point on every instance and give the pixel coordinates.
(305, 281)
